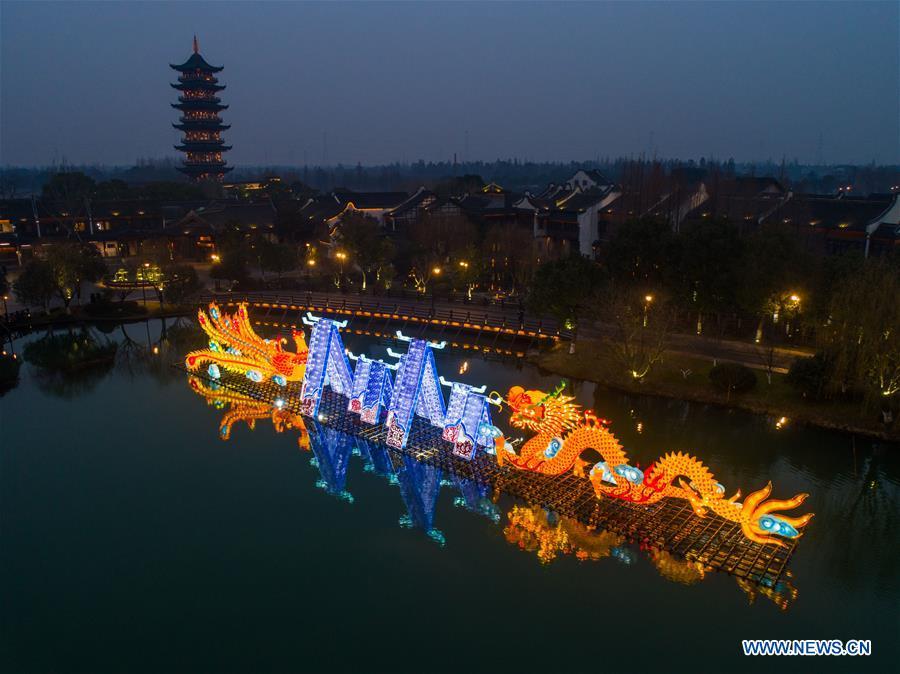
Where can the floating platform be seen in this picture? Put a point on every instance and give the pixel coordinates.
(669, 525)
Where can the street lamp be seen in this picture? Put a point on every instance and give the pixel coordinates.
(144, 283)
(647, 300)
(5, 311)
(435, 271)
(341, 256)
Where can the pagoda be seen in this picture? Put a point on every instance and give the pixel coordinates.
(200, 106)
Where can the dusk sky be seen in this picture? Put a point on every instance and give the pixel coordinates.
(89, 82)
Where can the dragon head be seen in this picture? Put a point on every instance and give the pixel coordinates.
(542, 412)
(762, 522)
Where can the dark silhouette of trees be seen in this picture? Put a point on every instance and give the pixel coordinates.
(564, 289)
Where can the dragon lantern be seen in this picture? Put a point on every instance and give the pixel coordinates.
(234, 346)
(563, 433)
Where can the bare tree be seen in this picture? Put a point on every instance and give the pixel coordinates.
(639, 325)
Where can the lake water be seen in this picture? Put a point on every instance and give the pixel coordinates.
(132, 538)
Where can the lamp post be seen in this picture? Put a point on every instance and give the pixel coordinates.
(341, 256)
(435, 271)
(5, 311)
(647, 300)
(144, 283)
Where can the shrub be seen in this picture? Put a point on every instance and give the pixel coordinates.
(731, 378)
(809, 376)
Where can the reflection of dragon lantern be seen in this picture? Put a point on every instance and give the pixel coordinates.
(238, 407)
(234, 346)
(564, 433)
(531, 529)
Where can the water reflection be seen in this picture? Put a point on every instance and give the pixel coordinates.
(531, 528)
(72, 363)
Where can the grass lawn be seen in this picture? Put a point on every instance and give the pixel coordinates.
(687, 378)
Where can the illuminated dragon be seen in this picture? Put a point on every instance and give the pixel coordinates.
(239, 407)
(234, 346)
(564, 433)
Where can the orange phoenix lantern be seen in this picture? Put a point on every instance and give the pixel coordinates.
(235, 346)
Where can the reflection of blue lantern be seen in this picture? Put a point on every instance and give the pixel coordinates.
(213, 371)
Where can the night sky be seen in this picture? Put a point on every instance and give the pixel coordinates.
(89, 83)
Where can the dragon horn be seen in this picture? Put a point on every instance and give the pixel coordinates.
(736, 496)
(756, 498)
(776, 504)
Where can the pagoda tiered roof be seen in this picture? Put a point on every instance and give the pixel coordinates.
(201, 125)
(199, 104)
(196, 62)
(203, 146)
(192, 85)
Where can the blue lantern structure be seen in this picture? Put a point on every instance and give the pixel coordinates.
(416, 391)
(468, 415)
(372, 389)
(326, 364)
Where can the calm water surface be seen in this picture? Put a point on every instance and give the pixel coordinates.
(133, 538)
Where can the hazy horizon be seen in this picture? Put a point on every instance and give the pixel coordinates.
(375, 83)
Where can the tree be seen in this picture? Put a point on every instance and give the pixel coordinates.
(180, 282)
(34, 286)
(861, 339)
(710, 256)
(368, 250)
(232, 266)
(277, 257)
(564, 289)
(465, 272)
(234, 255)
(71, 265)
(69, 191)
(639, 252)
(640, 325)
(4, 282)
(508, 251)
(437, 240)
(774, 270)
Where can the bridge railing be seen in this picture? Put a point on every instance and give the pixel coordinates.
(463, 317)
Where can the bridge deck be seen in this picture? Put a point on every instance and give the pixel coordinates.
(669, 525)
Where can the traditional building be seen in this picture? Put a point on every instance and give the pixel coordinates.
(200, 121)
(568, 220)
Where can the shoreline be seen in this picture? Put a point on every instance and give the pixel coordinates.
(583, 367)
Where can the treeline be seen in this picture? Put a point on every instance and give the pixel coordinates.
(707, 279)
(514, 173)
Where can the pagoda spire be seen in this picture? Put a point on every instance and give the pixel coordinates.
(196, 45)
